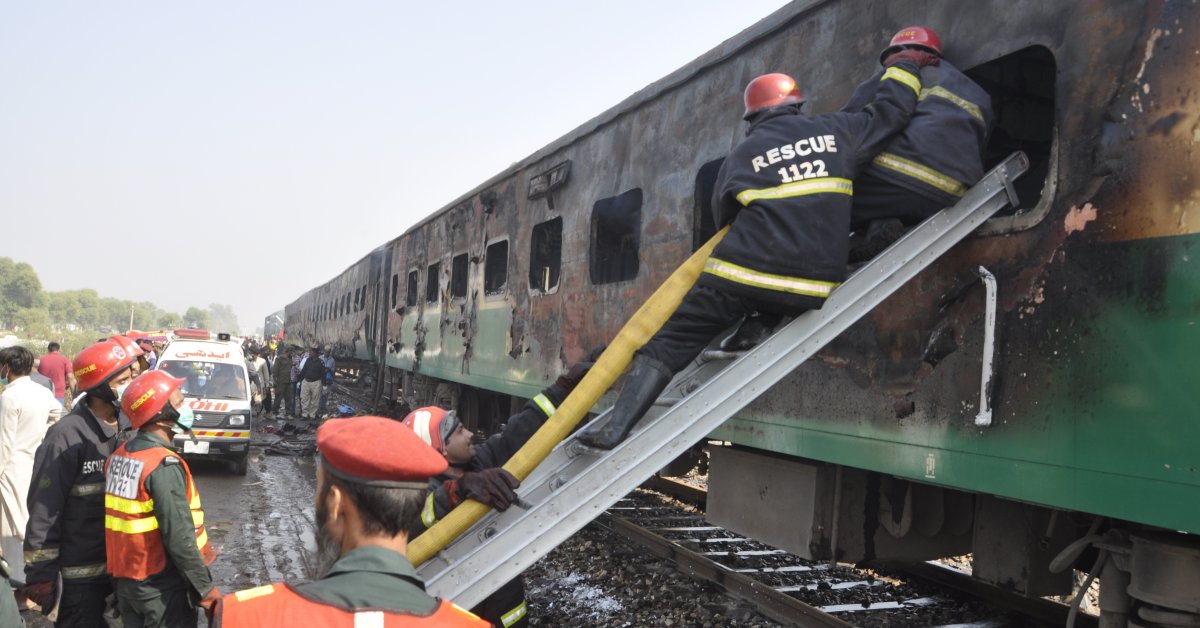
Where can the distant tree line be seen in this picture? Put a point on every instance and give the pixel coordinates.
(78, 317)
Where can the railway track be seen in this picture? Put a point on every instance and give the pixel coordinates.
(793, 591)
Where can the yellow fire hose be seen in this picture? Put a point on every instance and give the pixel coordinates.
(644, 324)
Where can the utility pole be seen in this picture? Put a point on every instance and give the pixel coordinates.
(130, 318)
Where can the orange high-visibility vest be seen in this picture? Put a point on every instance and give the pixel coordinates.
(280, 605)
(132, 539)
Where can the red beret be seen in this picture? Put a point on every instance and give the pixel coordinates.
(377, 451)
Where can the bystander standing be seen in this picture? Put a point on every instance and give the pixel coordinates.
(57, 367)
(26, 411)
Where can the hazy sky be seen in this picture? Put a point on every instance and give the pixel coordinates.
(188, 153)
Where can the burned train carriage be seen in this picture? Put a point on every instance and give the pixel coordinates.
(1094, 399)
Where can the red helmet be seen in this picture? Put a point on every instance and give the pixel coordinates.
(147, 395)
(916, 36)
(771, 90)
(433, 424)
(97, 363)
(128, 345)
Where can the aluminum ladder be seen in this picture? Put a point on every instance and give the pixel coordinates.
(575, 484)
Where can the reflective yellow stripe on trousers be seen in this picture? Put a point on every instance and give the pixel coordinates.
(767, 281)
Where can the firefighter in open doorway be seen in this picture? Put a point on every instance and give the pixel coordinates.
(932, 162)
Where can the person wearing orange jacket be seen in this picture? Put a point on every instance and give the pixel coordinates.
(64, 538)
(158, 550)
(371, 482)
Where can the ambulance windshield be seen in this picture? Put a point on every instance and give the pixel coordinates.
(209, 380)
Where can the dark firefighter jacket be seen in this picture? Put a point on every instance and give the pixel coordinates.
(789, 185)
(506, 606)
(65, 533)
(940, 153)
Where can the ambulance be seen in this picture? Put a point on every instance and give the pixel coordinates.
(217, 387)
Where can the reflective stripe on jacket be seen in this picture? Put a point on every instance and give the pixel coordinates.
(135, 545)
(787, 189)
(280, 605)
(940, 153)
(65, 533)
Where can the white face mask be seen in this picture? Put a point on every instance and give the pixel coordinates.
(120, 391)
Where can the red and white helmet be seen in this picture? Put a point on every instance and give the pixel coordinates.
(147, 395)
(99, 362)
(771, 90)
(433, 424)
(921, 37)
(128, 344)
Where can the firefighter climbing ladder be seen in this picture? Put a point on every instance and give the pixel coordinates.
(574, 484)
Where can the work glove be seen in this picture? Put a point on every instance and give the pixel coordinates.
(569, 380)
(493, 487)
(921, 58)
(41, 593)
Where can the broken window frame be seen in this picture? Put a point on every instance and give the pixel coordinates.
(544, 279)
(1026, 218)
(433, 282)
(491, 267)
(412, 291)
(460, 276)
(605, 266)
(704, 219)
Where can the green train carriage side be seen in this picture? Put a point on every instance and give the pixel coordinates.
(485, 301)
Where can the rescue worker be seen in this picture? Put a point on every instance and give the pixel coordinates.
(932, 162)
(281, 373)
(787, 191)
(476, 472)
(65, 533)
(158, 550)
(141, 364)
(371, 482)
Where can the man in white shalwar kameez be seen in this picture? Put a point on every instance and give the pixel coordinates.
(26, 411)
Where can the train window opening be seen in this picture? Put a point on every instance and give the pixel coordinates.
(414, 281)
(346, 303)
(1022, 88)
(704, 223)
(431, 282)
(395, 288)
(362, 299)
(495, 268)
(545, 256)
(616, 233)
(458, 276)
(357, 299)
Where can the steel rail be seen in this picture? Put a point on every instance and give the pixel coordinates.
(777, 606)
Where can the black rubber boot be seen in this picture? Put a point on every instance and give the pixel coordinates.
(645, 382)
